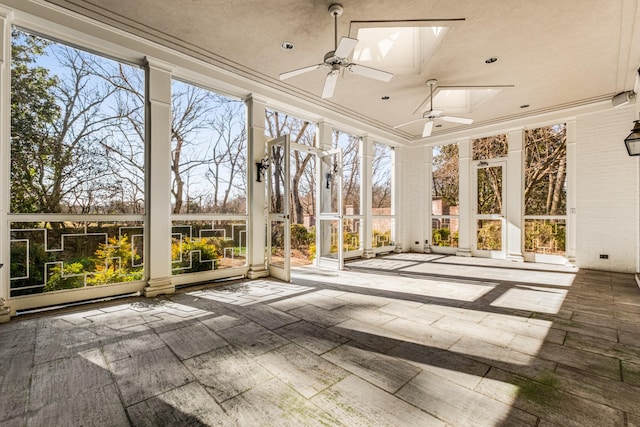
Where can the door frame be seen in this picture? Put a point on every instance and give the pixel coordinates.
(485, 164)
(281, 271)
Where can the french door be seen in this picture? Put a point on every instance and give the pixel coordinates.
(329, 230)
(279, 206)
(489, 210)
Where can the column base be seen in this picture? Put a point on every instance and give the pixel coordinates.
(463, 252)
(257, 271)
(5, 312)
(426, 249)
(398, 248)
(368, 254)
(516, 258)
(157, 287)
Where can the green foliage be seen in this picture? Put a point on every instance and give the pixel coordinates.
(112, 262)
(197, 254)
(444, 237)
(68, 277)
(381, 238)
(301, 238)
(490, 236)
(545, 237)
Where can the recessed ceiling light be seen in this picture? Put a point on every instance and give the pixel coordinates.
(491, 60)
(524, 106)
(385, 98)
(287, 46)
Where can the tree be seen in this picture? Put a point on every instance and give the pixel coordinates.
(446, 174)
(64, 128)
(545, 170)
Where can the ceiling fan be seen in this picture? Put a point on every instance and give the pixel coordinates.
(337, 60)
(430, 115)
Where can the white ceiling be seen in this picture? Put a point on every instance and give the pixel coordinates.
(557, 54)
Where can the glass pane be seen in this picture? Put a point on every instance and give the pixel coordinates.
(445, 188)
(445, 231)
(545, 236)
(545, 191)
(490, 147)
(382, 170)
(208, 151)
(207, 245)
(277, 244)
(351, 230)
(277, 179)
(77, 130)
(303, 165)
(490, 190)
(350, 145)
(52, 256)
(330, 233)
(489, 235)
(329, 188)
(382, 232)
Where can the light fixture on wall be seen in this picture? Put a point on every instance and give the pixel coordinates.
(622, 98)
(632, 142)
(261, 167)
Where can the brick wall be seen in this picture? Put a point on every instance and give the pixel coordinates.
(606, 192)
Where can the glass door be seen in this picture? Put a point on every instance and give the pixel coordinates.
(489, 208)
(329, 232)
(279, 205)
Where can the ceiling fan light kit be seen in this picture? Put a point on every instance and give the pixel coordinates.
(338, 59)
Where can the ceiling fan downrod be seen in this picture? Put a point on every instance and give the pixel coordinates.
(335, 10)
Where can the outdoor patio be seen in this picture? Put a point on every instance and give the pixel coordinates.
(401, 340)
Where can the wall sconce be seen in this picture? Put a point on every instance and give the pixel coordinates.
(261, 167)
(632, 141)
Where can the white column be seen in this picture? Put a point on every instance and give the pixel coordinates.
(427, 194)
(158, 179)
(513, 188)
(366, 188)
(396, 195)
(465, 193)
(256, 228)
(5, 166)
(571, 190)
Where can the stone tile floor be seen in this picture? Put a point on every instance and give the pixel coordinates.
(401, 340)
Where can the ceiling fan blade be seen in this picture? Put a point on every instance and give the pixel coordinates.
(410, 122)
(345, 47)
(428, 127)
(299, 71)
(453, 119)
(330, 84)
(370, 72)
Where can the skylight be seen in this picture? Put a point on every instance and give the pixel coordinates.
(401, 50)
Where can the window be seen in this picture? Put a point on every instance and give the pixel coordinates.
(382, 196)
(490, 147)
(444, 197)
(545, 192)
(77, 147)
(209, 180)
